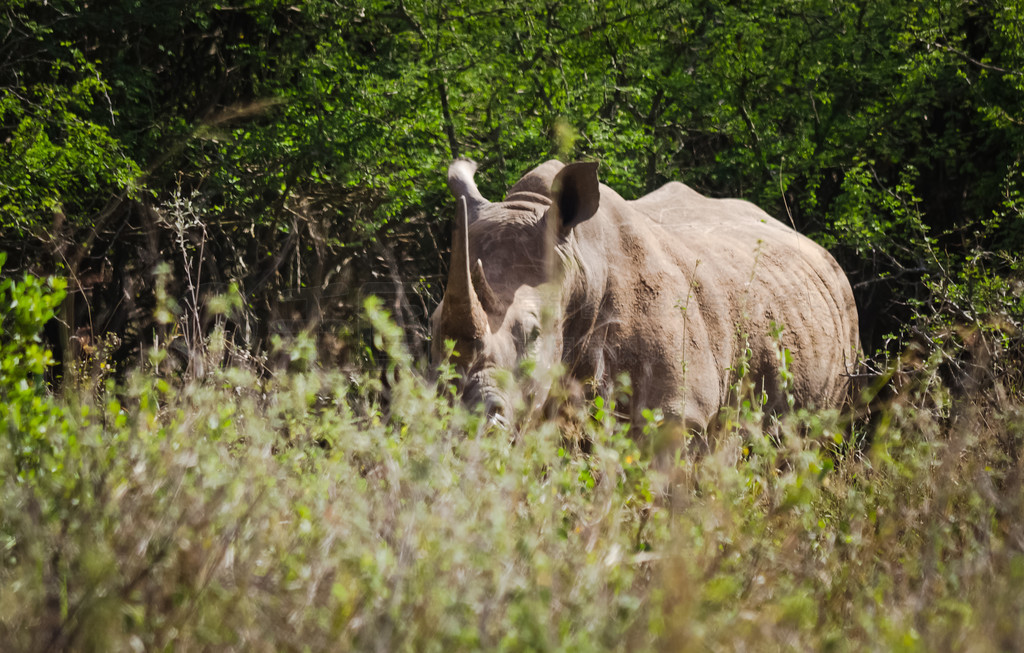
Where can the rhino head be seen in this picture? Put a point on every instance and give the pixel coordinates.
(507, 280)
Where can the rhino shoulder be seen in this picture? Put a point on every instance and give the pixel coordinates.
(677, 206)
(674, 192)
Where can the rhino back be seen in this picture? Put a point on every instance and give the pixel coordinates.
(695, 283)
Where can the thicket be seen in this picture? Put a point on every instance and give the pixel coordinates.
(209, 441)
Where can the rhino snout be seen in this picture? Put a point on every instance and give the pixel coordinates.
(496, 405)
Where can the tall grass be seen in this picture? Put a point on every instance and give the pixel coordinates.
(318, 510)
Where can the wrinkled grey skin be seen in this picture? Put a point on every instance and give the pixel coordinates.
(671, 288)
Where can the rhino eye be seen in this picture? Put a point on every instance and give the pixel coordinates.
(532, 335)
(525, 335)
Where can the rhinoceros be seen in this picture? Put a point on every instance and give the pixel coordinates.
(675, 289)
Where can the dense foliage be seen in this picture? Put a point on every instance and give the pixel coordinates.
(208, 442)
(312, 138)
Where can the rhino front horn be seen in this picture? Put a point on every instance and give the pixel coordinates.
(463, 315)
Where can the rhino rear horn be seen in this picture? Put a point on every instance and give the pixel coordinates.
(463, 316)
(577, 194)
(483, 289)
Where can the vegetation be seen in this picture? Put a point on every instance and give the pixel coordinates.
(211, 441)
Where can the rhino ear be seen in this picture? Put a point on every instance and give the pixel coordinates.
(577, 193)
(461, 184)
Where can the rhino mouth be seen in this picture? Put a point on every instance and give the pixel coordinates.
(497, 417)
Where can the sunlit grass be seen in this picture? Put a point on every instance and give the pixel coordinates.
(315, 510)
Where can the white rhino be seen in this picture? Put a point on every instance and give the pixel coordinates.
(674, 288)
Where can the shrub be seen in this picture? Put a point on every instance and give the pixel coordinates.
(318, 510)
